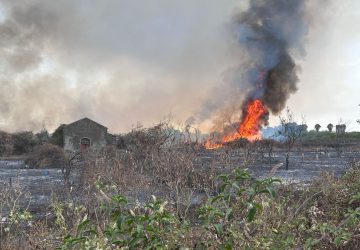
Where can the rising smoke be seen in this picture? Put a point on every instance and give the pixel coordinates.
(270, 34)
(272, 31)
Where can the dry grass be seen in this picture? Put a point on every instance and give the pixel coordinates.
(46, 156)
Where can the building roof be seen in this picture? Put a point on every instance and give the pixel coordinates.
(85, 119)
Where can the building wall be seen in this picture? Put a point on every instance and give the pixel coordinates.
(85, 128)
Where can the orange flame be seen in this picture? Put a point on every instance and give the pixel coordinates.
(249, 127)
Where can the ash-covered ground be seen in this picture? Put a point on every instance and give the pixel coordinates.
(304, 165)
(40, 186)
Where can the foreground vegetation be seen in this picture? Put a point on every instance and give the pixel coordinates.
(242, 214)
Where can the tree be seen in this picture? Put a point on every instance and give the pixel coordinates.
(330, 127)
(340, 138)
(57, 137)
(6, 143)
(340, 129)
(291, 132)
(23, 142)
(317, 127)
(43, 136)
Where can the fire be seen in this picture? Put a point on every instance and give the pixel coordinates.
(249, 127)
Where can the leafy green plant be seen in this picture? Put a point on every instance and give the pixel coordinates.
(244, 214)
(226, 214)
(148, 227)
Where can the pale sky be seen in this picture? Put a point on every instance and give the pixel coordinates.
(329, 88)
(123, 62)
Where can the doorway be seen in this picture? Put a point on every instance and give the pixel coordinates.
(84, 144)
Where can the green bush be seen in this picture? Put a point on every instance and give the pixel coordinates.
(147, 227)
(224, 215)
(153, 226)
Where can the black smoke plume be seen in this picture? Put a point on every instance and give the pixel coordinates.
(272, 32)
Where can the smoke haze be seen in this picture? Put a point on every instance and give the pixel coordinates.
(120, 62)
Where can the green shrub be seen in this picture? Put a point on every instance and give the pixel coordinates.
(153, 226)
(150, 226)
(239, 201)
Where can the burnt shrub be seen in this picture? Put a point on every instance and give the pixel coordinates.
(46, 156)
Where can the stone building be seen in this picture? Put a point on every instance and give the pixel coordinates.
(84, 134)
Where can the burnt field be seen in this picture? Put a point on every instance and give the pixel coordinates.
(40, 186)
(178, 187)
(305, 164)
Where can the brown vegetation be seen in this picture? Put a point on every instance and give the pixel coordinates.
(16, 144)
(46, 156)
(6, 144)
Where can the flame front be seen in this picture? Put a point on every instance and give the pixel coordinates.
(249, 127)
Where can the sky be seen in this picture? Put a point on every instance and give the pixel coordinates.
(329, 87)
(124, 62)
